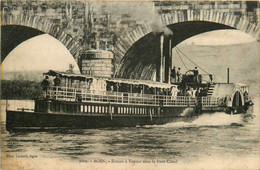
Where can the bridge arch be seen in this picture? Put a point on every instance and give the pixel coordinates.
(135, 59)
(42, 25)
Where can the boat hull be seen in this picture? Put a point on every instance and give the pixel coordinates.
(21, 120)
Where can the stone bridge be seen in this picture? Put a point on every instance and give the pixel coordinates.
(138, 53)
(30, 26)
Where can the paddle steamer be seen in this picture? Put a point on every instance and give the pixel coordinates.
(96, 100)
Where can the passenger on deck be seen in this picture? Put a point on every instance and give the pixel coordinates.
(203, 91)
(197, 92)
(45, 83)
(190, 91)
(91, 86)
(57, 81)
(193, 93)
(179, 75)
(246, 95)
(141, 91)
(174, 93)
(210, 78)
(196, 73)
(160, 91)
(88, 84)
(182, 86)
(173, 75)
(111, 88)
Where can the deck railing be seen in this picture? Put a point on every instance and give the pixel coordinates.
(83, 95)
(210, 101)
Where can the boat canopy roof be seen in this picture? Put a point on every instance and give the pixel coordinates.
(82, 77)
(242, 85)
(148, 83)
(70, 75)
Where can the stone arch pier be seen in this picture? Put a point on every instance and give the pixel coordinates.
(30, 26)
(138, 53)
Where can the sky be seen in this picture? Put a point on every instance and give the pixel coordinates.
(216, 51)
(39, 54)
(220, 38)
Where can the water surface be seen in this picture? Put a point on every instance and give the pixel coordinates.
(217, 135)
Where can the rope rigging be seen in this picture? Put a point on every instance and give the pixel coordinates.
(190, 60)
(182, 60)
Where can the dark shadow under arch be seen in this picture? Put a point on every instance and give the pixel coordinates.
(13, 35)
(142, 59)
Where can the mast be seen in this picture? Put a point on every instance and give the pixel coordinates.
(162, 58)
(170, 61)
(228, 75)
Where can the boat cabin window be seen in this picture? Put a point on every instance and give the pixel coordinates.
(104, 85)
(140, 87)
(76, 81)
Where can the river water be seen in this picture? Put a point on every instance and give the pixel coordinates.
(213, 140)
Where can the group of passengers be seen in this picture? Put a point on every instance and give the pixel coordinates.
(46, 83)
(177, 76)
(196, 92)
(136, 89)
(182, 90)
(192, 92)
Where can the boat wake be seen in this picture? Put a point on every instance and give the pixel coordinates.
(212, 119)
(220, 119)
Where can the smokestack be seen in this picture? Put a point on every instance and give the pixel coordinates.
(228, 75)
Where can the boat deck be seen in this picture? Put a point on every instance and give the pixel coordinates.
(81, 95)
